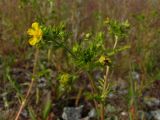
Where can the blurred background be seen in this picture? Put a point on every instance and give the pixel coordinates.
(80, 17)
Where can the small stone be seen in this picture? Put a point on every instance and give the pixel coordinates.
(151, 102)
(111, 95)
(121, 84)
(110, 108)
(24, 113)
(156, 114)
(72, 113)
(92, 113)
(124, 113)
(135, 75)
(86, 118)
(123, 92)
(42, 82)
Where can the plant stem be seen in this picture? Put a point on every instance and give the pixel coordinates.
(104, 89)
(93, 88)
(102, 111)
(30, 86)
(66, 48)
(133, 98)
(79, 95)
(115, 43)
(49, 54)
(106, 78)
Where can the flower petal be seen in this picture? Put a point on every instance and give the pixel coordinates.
(39, 32)
(33, 41)
(101, 59)
(35, 25)
(30, 32)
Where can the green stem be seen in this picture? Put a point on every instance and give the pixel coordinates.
(93, 85)
(68, 50)
(106, 78)
(102, 111)
(115, 43)
(93, 88)
(103, 91)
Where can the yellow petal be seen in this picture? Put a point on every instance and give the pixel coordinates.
(33, 41)
(31, 31)
(39, 31)
(64, 79)
(101, 59)
(107, 20)
(35, 25)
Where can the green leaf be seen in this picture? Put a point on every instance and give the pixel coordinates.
(32, 114)
(113, 52)
(47, 108)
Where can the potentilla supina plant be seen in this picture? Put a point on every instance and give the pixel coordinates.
(36, 33)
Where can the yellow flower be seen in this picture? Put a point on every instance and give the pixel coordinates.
(105, 60)
(102, 59)
(107, 20)
(36, 33)
(64, 79)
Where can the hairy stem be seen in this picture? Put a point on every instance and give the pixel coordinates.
(102, 111)
(30, 86)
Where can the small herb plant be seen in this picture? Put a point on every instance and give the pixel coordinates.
(86, 55)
